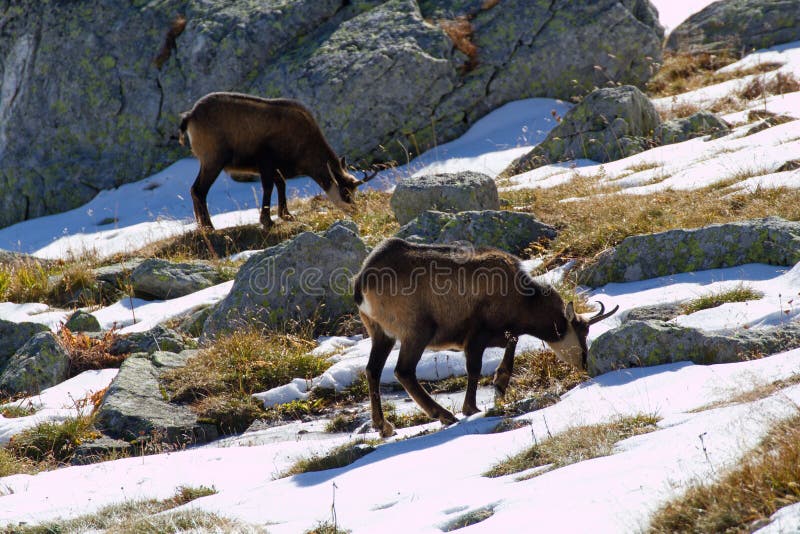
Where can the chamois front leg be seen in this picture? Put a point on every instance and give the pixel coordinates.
(199, 191)
(502, 375)
(474, 354)
(283, 210)
(267, 182)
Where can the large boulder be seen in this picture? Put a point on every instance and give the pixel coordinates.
(40, 363)
(156, 278)
(461, 191)
(737, 26)
(647, 343)
(82, 321)
(609, 124)
(507, 230)
(136, 407)
(85, 107)
(771, 240)
(699, 124)
(14, 335)
(302, 278)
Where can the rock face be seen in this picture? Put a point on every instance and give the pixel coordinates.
(84, 106)
(737, 26)
(507, 230)
(307, 276)
(156, 278)
(13, 336)
(136, 406)
(770, 240)
(462, 191)
(158, 338)
(40, 363)
(646, 343)
(609, 124)
(697, 125)
(81, 321)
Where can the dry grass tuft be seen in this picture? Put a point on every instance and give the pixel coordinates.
(757, 392)
(596, 221)
(764, 480)
(680, 73)
(575, 445)
(537, 372)
(50, 444)
(781, 83)
(340, 456)
(87, 352)
(460, 31)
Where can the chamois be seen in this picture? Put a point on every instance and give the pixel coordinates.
(452, 297)
(277, 139)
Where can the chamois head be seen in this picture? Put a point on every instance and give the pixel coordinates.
(572, 348)
(343, 188)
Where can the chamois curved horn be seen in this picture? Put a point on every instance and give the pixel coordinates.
(367, 177)
(599, 316)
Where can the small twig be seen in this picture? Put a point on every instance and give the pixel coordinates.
(705, 452)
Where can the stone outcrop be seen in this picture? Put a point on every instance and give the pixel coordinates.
(697, 125)
(453, 192)
(92, 91)
(38, 364)
(507, 230)
(307, 276)
(609, 124)
(157, 278)
(737, 26)
(771, 240)
(647, 343)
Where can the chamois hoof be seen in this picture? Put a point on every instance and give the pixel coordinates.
(447, 419)
(386, 430)
(469, 410)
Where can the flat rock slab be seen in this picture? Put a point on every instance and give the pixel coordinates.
(136, 405)
(462, 191)
(771, 240)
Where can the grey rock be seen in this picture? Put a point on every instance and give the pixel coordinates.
(307, 276)
(462, 191)
(158, 338)
(15, 335)
(507, 230)
(156, 278)
(647, 343)
(737, 26)
(656, 312)
(192, 323)
(136, 405)
(381, 79)
(118, 274)
(697, 125)
(81, 321)
(771, 240)
(39, 364)
(100, 449)
(609, 124)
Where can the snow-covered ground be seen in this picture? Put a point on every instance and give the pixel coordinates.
(421, 483)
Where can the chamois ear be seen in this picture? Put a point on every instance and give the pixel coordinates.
(570, 311)
(343, 162)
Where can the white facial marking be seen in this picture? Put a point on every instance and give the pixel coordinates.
(336, 198)
(568, 349)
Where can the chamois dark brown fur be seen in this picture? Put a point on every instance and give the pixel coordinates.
(277, 139)
(451, 297)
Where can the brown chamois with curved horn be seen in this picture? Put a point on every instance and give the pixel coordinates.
(277, 139)
(452, 297)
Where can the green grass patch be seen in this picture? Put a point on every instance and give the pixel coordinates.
(576, 445)
(404, 420)
(762, 482)
(11, 412)
(52, 443)
(221, 378)
(340, 456)
(740, 293)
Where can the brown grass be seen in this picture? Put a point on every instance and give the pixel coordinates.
(764, 480)
(90, 352)
(680, 73)
(781, 83)
(575, 445)
(751, 395)
(597, 221)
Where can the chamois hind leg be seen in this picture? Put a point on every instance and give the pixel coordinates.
(199, 191)
(502, 375)
(381, 347)
(283, 210)
(406, 373)
(267, 181)
(474, 354)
